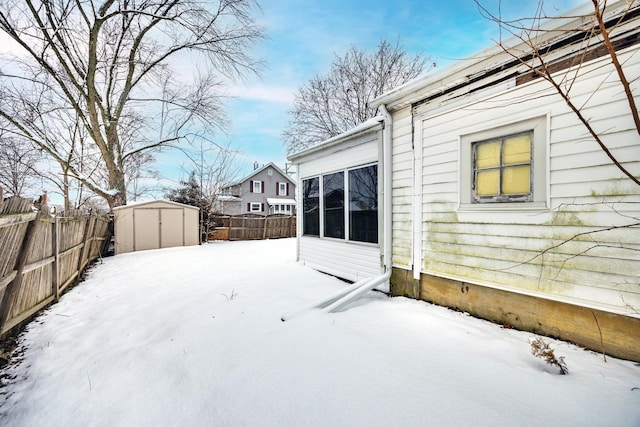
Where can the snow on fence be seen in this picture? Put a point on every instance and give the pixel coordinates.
(254, 227)
(42, 255)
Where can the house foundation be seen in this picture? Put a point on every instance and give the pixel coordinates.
(604, 332)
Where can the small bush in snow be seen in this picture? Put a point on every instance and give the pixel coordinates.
(540, 349)
(232, 296)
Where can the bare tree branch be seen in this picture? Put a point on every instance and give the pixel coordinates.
(334, 103)
(105, 61)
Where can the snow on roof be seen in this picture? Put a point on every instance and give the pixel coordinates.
(275, 201)
(148, 202)
(361, 128)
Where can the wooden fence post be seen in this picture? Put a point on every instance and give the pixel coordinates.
(85, 238)
(264, 229)
(244, 228)
(55, 237)
(12, 288)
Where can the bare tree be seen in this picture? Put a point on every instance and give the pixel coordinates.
(17, 166)
(212, 167)
(17, 162)
(334, 103)
(108, 64)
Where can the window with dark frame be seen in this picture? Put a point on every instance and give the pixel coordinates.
(363, 204)
(502, 169)
(333, 204)
(361, 217)
(311, 207)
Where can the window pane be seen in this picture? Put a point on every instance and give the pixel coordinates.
(515, 180)
(333, 198)
(363, 204)
(311, 207)
(487, 183)
(488, 154)
(517, 150)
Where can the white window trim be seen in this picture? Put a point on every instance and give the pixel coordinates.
(540, 165)
(254, 205)
(257, 186)
(282, 189)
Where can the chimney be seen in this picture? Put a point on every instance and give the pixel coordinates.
(255, 165)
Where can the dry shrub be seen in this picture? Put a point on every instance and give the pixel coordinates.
(540, 349)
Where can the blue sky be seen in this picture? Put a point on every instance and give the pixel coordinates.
(302, 37)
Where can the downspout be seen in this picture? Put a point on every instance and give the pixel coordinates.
(386, 187)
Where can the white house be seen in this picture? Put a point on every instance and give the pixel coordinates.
(501, 204)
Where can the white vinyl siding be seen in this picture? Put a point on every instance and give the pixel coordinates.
(350, 261)
(502, 246)
(402, 188)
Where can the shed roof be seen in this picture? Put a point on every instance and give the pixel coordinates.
(156, 202)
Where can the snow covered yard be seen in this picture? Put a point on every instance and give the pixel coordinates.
(193, 336)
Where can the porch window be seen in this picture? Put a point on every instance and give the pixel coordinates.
(349, 202)
(311, 207)
(363, 204)
(502, 169)
(333, 204)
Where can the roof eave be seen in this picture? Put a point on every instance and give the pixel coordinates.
(351, 133)
(477, 62)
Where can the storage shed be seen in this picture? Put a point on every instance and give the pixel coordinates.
(153, 225)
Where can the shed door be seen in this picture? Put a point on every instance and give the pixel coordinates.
(171, 227)
(146, 232)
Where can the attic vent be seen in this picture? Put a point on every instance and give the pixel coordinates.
(270, 172)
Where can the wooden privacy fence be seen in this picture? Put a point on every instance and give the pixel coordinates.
(41, 255)
(254, 227)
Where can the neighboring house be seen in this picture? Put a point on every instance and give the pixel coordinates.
(267, 190)
(491, 191)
